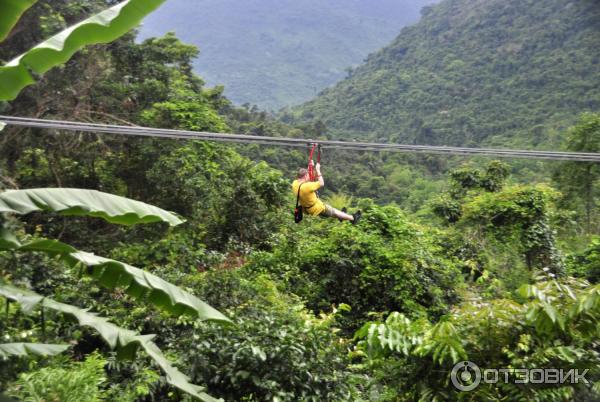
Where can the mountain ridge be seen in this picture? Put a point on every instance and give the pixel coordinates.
(472, 72)
(275, 53)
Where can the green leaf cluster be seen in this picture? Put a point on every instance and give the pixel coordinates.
(552, 326)
(109, 272)
(76, 383)
(277, 350)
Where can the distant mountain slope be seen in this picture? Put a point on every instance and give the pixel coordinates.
(499, 72)
(281, 52)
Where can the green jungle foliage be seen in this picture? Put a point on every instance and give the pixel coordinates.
(102, 27)
(388, 263)
(78, 382)
(580, 182)
(485, 261)
(553, 324)
(501, 222)
(494, 72)
(111, 274)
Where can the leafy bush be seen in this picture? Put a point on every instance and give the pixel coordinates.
(447, 208)
(586, 264)
(385, 263)
(242, 207)
(272, 356)
(519, 216)
(277, 351)
(552, 326)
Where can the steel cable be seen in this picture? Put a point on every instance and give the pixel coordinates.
(295, 142)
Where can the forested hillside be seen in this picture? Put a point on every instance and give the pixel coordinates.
(495, 72)
(275, 53)
(138, 269)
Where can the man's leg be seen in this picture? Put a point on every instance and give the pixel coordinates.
(336, 213)
(342, 215)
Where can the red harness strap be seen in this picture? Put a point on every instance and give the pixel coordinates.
(312, 174)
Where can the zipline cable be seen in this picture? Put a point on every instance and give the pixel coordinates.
(293, 142)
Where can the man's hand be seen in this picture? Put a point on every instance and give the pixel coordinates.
(311, 163)
(319, 175)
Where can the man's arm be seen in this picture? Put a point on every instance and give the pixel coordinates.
(319, 175)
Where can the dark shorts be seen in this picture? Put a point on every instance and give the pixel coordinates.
(328, 212)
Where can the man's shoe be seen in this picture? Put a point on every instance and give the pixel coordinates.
(357, 216)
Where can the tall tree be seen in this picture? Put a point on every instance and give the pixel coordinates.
(579, 181)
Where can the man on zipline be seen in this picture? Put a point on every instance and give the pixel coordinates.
(309, 201)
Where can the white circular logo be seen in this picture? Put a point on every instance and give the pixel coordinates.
(465, 376)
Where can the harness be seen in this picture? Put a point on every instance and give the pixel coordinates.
(312, 174)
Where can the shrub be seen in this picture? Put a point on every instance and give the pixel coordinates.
(277, 351)
(385, 263)
(75, 382)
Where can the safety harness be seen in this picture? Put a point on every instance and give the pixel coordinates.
(312, 173)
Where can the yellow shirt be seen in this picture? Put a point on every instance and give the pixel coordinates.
(308, 196)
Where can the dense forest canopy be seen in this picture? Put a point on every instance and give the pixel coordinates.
(143, 269)
(494, 72)
(276, 53)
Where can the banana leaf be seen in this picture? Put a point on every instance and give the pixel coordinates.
(80, 202)
(138, 283)
(126, 342)
(103, 27)
(11, 12)
(26, 349)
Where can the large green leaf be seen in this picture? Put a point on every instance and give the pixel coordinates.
(11, 12)
(111, 274)
(72, 201)
(101, 28)
(126, 342)
(140, 283)
(26, 349)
